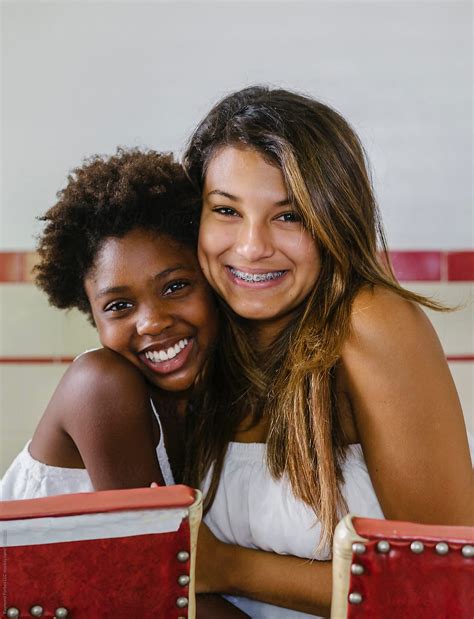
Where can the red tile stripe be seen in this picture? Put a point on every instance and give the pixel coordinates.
(409, 266)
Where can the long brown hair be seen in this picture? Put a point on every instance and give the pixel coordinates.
(293, 383)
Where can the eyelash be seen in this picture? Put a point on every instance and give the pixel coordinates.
(113, 307)
(295, 217)
(176, 285)
(227, 211)
(122, 306)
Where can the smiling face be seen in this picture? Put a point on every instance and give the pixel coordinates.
(253, 248)
(152, 305)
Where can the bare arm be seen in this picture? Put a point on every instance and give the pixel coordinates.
(281, 580)
(101, 411)
(407, 413)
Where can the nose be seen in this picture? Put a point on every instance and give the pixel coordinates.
(153, 319)
(254, 241)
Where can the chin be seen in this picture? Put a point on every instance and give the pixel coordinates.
(174, 385)
(253, 311)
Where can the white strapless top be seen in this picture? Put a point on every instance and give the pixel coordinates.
(253, 510)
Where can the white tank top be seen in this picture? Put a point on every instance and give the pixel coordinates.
(27, 478)
(254, 510)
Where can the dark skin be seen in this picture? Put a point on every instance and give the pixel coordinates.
(146, 294)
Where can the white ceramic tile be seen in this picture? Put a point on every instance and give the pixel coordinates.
(24, 394)
(463, 374)
(455, 329)
(30, 327)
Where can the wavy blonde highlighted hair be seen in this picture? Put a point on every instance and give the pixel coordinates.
(293, 383)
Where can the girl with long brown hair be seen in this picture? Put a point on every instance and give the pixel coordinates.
(329, 390)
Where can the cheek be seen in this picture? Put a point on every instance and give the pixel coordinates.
(214, 239)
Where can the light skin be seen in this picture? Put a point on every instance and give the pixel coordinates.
(147, 294)
(253, 248)
(400, 399)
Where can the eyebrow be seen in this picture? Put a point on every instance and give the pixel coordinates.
(123, 289)
(229, 196)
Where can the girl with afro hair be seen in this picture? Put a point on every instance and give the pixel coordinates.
(119, 245)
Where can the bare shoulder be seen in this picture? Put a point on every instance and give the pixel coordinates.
(379, 310)
(405, 407)
(93, 381)
(383, 322)
(106, 367)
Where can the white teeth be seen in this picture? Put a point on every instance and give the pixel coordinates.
(158, 356)
(256, 277)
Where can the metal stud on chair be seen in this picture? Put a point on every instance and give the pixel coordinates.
(355, 597)
(442, 548)
(61, 612)
(183, 580)
(357, 569)
(358, 548)
(182, 602)
(183, 556)
(417, 547)
(468, 551)
(36, 611)
(12, 612)
(383, 547)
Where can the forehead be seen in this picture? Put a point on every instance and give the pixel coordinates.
(238, 168)
(140, 252)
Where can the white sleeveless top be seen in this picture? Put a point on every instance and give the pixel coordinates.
(254, 510)
(27, 478)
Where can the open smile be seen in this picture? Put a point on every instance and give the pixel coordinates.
(260, 279)
(168, 359)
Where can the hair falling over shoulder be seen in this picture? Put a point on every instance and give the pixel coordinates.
(293, 382)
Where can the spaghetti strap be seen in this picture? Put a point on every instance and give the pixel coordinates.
(163, 459)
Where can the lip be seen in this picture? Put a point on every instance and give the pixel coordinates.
(270, 283)
(171, 365)
(252, 270)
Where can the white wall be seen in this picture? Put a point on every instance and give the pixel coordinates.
(82, 77)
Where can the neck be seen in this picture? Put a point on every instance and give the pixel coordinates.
(267, 331)
(175, 401)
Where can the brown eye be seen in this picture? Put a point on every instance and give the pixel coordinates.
(227, 211)
(175, 286)
(292, 216)
(117, 306)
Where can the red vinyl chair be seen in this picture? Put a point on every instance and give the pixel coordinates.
(385, 569)
(118, 554)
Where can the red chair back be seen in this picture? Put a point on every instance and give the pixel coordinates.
(119, 553)
(395, 570)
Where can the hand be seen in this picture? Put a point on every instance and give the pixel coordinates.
(210, 563)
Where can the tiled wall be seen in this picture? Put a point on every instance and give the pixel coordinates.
(38, 342)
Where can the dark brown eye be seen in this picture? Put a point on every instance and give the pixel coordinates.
(118, 306)
(175, 286)
(227, 211)
(291, 216)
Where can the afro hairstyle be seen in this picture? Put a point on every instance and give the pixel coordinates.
(109, 197)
